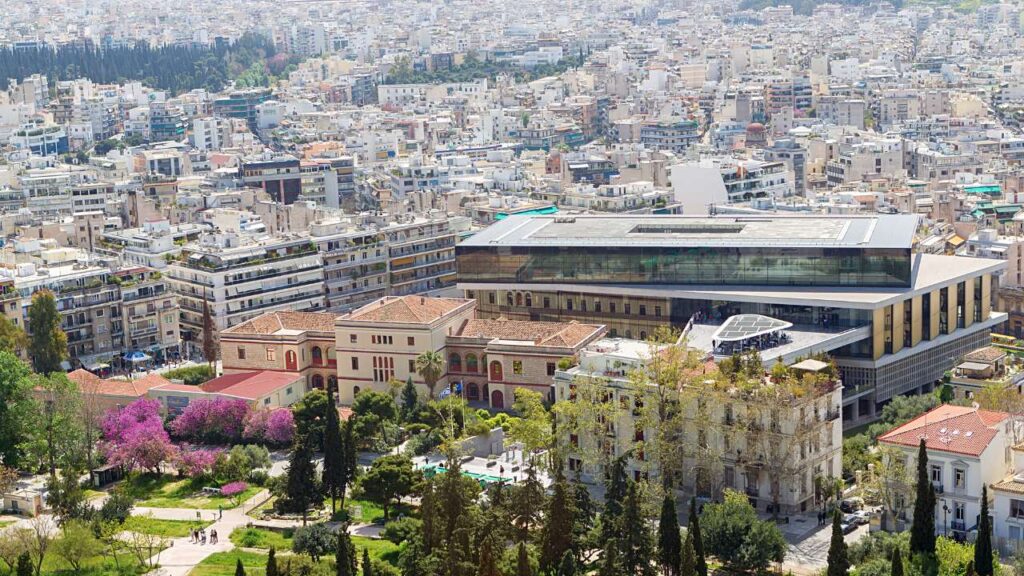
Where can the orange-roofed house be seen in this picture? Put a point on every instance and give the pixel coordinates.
(263, 389)
(967, 448)
(113, 392)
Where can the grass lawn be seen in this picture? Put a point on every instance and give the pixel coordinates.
(260, 538)
(168, 492)
(223, 564)
(5, 523)
(385, 550)
(166, 528)
(371, 513)
(100, 565)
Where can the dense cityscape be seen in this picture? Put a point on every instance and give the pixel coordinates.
(453, 288)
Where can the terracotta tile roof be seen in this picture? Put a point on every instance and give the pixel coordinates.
(1011, 485)
(406, 309)
(250, 385)
(272, 322)
(554, 334)
(957, 429)
(90, 383)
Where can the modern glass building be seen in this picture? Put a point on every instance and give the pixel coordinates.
(852, 286)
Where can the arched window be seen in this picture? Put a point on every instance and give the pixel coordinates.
(474, 391)
(497, 374)
(643, 335)
(318, 381)
(508, 298)
(519, 298)
(454, 362)
(290, 360)
(355, 391)
(497, 399)
(529, 300)
(471, 365)
(332, 384)
(318, 356)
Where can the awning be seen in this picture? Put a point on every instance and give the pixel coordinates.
(973, 366)
(136, 356)
(96, 366)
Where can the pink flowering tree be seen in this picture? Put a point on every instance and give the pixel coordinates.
(275, 427)
(197, 462)
(212, 420)
(234, 490)
(134, 436)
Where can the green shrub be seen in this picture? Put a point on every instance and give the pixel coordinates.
(191, 375)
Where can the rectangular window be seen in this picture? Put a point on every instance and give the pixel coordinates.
(611, 307)
(597, 305)
(411, 340)
(241, 353)
(657, 310)
(626, 308)
(547, 302)
(1017, 508)
(353, 338)
(271, 355)
(266, 401)
(936, 475)
(643, 310)
(490, 297)
(551, 368)
(568, 304)
(412, 366)
(960, 478)
(288, 391)
(355, 363)
(517, 366)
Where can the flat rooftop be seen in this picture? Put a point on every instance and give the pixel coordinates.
(895, 231)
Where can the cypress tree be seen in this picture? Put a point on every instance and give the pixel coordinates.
(669, 542)
(687, 557)
(983, 545)
(488, 565)
(47, 343)
(271, 563)
(556, 536)
(410, 399)
(636, 543)
(239, 569)
(209, 338)
(25, 565)
(567, 567)
(614, 496)
(610, 563)
(838, 559)
(698, 542)
(334, 457)
(922, 532)
(523, 562)
(349, 458)
(301, 489)
(367, 566)
(345, 555)
(897, 563)
(969, 571)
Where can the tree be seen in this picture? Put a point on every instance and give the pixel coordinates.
(57, 436)
(523, 567)
(838, 559)
(12, 338)
(983, 565)
(897, 564)
(389, 479)
(371, 412)
(48, 345)
(533, 427)
(669, 542)
(271, 569)
(36, 539)
(410, 399)
(922, 531)
(308, 414)
(488, 565)
(134, 436)
(239, 569)
(210, 347)
(733, 533)
(556, 534)
(430, 367)
(315, 541)
(66, 497)
(567, 567)
(301, 486)
(367, 565)
(350, 456)
(693, 529)
(25, 564)
(687, 557)
(334, 478)
(616, 486)
(345, 553)
(212, 420)
(76, 544)
(16, 409)
(636, 542)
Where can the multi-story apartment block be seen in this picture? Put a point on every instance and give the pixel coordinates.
(279, 176)
(150, 313)
(328, 182)
(769, 439)
(894, 320)
(859, 161)
(242, 104)
(241, 278)
(675, 136)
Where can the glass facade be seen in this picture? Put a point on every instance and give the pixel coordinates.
(746, 266)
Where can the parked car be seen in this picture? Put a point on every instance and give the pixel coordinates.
(849, 505)
(861, 517)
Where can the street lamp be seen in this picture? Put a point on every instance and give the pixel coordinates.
(945, 524)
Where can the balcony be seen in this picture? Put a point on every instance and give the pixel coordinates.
(752, 491)
(939, 488)
(958, 526)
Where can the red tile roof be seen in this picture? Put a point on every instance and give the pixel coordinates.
(957, 429)
(250, 385)
(271, 322)
(90, 383)
(406, 309)
(554, 334)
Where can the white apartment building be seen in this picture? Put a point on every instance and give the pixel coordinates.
(989, 243)
(967, 447)
(728, 181)
(242, 277)
(211, 133)
(857, 161)
(733, 438)
(616, 197)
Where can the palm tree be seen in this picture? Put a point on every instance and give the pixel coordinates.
(430, 365)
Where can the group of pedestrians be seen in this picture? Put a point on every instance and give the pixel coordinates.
(198, 536)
